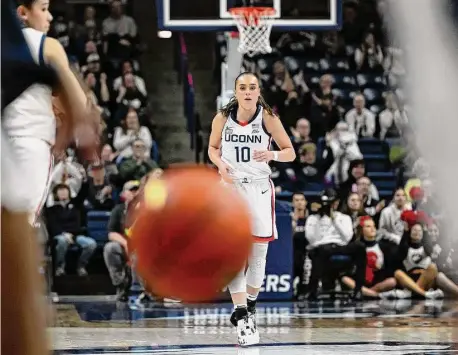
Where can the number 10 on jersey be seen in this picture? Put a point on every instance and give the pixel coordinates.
(242, 154)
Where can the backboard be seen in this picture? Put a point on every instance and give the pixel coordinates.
(213, 15)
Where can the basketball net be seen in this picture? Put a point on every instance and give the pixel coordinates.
(254, 25)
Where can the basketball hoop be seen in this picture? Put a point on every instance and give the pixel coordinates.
(254, 25)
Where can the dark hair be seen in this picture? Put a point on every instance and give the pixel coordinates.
(26, 3)
(298, 193)
(233, 101)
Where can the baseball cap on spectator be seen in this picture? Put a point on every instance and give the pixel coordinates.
(93, 58)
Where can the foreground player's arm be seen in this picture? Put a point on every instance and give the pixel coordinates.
(55, 56)
(278, 133)
(214, 143)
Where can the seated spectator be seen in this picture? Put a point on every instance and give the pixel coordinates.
(360, 120)
(98, 88)
(390, 119)
(282, 91)
(391, 227)
(334, 44)
(356, 171)
(394, 66)
(325, 89)
(127, 68)
(93, 65)
(128, 133)
(65, 227)
(354, 208)
(379, 279)
(371, 206)
(129, 94)
(137, 166)
(301, 133)
(439, 248)
(120, 33)
(419, 274)
(108, 160)
(329, 233)
(69, 172)
(298, 218)
(291, 43)
(369, 55)
(325, 109)
(307, 169)
(116, 251)
(99, 189)
(342, 148)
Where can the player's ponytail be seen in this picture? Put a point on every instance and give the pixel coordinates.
(226, 110)
(265, 105)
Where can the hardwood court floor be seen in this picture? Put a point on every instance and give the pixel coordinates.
(98, 326)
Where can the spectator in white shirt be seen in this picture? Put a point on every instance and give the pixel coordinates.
(360, 119)
(391, 227)
(392, 120)
(130, 131)
(343, 145)
(369, 55)
(127, 68)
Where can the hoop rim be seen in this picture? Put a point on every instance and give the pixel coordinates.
(257, 11)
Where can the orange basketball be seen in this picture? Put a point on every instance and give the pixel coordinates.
(191, 236)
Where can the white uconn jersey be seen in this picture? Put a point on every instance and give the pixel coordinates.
(239, 142)
(31, 114)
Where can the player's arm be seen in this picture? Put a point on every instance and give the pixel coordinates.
(80, 118)
(275, 128)
(55, 56)
(214, 143)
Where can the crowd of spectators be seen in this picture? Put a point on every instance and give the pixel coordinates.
(339, 95)
(103, 45)
(363, 199)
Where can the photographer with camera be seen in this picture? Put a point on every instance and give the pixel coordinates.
(330, 233)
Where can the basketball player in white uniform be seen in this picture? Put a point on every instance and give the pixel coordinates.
(21, 307)
(29, 120)
(240, 147)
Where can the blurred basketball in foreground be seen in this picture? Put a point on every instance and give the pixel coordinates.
(191, 235)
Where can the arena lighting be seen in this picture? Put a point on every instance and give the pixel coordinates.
(164, 34)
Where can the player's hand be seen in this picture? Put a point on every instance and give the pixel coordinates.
(263, 155)
(225, 172)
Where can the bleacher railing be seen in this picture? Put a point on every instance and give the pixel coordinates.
(185, 78)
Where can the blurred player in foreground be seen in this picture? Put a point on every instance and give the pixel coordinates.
(29, 121)
(239, 146)
(27, 85)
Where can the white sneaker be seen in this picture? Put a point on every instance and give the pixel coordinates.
(434, 294)
(388, 295)
(403, 294)
(247, 332)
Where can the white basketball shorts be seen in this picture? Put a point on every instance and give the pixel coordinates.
(260, 197)
(26, 174)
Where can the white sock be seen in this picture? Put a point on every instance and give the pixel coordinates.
(251, 297)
